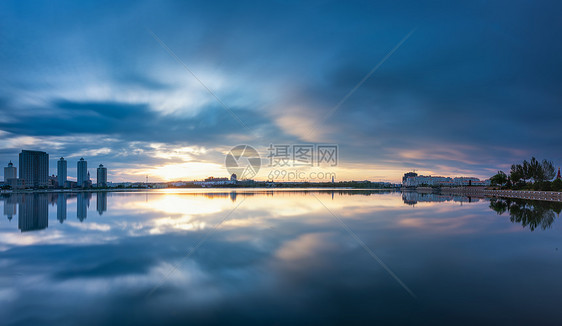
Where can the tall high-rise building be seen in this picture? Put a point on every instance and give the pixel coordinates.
(61, 172)
(10, 172)
(82, 172)
(34, 168)
(102, 176)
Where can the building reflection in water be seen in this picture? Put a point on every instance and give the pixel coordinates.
(32, 209)
(413, 197)
(10, 207)
(61, 207)
(529, 213)
(101, 202)
(33, 212)
(82, 205)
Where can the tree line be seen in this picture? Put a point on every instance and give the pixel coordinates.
(529, 175)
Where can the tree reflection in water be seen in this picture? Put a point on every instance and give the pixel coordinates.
(532, 213)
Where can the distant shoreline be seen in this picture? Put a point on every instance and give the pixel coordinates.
(555, 196)
(50, 191)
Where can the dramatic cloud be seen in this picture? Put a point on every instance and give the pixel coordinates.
(473, 89)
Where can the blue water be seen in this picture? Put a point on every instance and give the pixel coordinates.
(259, 257)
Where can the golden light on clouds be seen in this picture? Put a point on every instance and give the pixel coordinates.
(185, 171)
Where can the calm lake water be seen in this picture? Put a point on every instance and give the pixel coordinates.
(259, 257)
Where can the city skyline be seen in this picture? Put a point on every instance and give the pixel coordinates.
(36, 172)
(440, 89)
(83, 174)
(320, 162)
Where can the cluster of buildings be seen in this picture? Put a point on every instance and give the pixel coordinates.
(212, 181)
(34, 173)
(412, 179)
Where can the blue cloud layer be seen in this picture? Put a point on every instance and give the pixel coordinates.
(477, 78)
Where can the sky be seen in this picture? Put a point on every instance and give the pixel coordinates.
(165, 89)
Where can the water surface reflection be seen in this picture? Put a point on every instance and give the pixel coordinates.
(531, 213)
(274, 257)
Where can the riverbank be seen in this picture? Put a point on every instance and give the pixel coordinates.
(211, 189)
(51, 191)
(555, 196)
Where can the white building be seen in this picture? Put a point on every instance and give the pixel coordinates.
(467, 181)
(61, 172)
(212, 181)
(10, 172)
(421, 180)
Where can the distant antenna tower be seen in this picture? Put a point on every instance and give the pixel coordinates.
(147, 179)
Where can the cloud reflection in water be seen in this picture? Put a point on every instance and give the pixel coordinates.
(279, 258)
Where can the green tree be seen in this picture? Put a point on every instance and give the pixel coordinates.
(499, 179)
(516, 173)
(525, 171)
(556, 185)
(532, 170)
(535, 170)
(548, 170)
